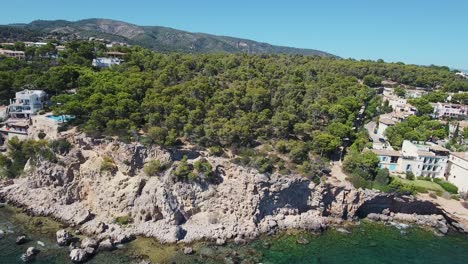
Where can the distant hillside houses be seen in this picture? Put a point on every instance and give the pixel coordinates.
(12, 54)
(447, 110)
(462, 74)
(106, 62)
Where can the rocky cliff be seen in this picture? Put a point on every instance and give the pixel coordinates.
(239, 204)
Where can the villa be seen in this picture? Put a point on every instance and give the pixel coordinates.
(384, 123)
(421, 158)
(442, 110)
(27, 103)
(106, 62)
(389, 159)
(424, 159)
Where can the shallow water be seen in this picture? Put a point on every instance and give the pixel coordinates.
(367, 243)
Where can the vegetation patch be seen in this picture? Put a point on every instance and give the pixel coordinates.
(154, 167)
(108, 164)
(124, 220)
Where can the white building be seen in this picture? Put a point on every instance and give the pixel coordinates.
(384, 123)
(389, 159)
(450, 110)
(462, 74)
(106, 62)
(424, 159)
(457, 170)
(27, 103)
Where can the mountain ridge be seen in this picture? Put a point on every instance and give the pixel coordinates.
(158, 38)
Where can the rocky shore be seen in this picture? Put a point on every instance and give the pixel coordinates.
(239, 205)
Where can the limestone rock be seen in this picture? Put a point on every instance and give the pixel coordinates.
(106, 245)
(21, 240)
(89, 242)
(79, 255)
(188, 250)
(64, 238)
(29, 255)
(237, 203)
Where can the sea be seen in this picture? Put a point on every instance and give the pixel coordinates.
(366, 242)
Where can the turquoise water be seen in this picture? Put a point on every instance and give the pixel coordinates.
(367, 243)
(61, 118)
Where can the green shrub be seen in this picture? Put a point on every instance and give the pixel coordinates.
(61, 146)
(204, 168)
(157, 135)
(108, 164)
(124, 220)
(282, 146)
(401, 188)
(410, 175)
(41, 135)
(183, 169)
(154, 167)
(359, 182)
(425, 178)
(383, 177)
(216, 151)
(449, 187)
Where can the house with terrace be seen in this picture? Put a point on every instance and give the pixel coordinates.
(27, 103)
(424, 159)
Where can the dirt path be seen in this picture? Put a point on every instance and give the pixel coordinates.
(338, 177)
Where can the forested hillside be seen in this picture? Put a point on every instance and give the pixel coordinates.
(300, 105)
(162, 39)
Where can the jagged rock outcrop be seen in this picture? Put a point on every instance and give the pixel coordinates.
(64, 238)
(239, 204)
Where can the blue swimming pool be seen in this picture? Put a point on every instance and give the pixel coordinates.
(61, 118)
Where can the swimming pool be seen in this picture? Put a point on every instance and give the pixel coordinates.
(61, 118)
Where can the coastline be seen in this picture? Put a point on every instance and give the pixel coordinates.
(240, 207)
(269, 248)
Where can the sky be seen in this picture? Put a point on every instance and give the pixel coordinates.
(412, 31)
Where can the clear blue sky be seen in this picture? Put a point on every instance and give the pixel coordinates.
(412, 31)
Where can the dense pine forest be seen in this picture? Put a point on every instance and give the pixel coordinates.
(302, 106)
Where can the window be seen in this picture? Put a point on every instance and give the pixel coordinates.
(424, 167)
(408, 167)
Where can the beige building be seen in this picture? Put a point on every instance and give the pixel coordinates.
(12, 54)
(457, 170)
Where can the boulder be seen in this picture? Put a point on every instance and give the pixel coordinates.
(30, 253)
(188, 250)
(21, 240)
(79, 255)
(89, 242)
(90, 251)
(84, 217)
(64, 238)
(123, 238)
(220, 242)
(106, 245)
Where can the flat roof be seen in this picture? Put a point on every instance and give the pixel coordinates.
(438, 148)
(425, 153)
(461, 155)
(387, 152)
(387, 121)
